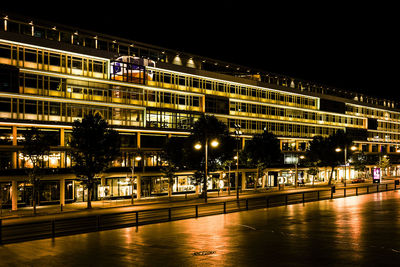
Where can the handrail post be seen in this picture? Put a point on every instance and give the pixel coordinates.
(356, 191)
(386, 187)
(224, 207)
(169, 214)
(197, 210)
(247, 204)
(303, 197)
(344, 192)
(137, 218)
(267, 202)
(318, 195)
(377, 188)
(286, 199)
(367, 189)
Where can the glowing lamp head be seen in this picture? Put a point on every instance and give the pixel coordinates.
(338, 149)
(138, 158)
(214, 143)
(197, 146)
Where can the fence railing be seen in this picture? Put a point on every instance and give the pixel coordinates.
(11, 233)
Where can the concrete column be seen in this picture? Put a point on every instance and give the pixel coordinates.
(62, 143)
(138, 140)
(14, 195)
(265, 176)
(138, 186)
(14, 143)
(62, 191)
(244, 180)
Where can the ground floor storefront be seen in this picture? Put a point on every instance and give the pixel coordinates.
(61, 189)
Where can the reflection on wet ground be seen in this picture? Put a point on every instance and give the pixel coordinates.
(353, 231)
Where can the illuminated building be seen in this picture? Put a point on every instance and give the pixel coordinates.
(51, 75)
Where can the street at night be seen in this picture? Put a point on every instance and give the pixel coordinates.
(356, 231)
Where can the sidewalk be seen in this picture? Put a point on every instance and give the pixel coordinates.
(121, 205)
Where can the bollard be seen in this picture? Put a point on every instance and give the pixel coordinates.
(197, 211)
(344, 192)
(224, 207)
(356, 191)
(367, 189)
(137, 218)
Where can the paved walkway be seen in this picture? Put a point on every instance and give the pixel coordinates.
(114, 206)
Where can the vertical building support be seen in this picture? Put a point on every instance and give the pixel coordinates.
(14, 143)
(14, 195)
(62, 191)
(244, 180)
(138, 186)
(62, 153)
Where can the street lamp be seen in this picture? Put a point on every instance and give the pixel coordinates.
(352, 148)
(238, 133)
(197, 146)
(296, 171)
(137, 158)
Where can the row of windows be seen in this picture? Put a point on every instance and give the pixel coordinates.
(75, 38)
(42, 59)
(388, 126)
(383, 137)
(280, 129)
(68, 88)
(371, 112)
(188, 83)
(65, 112)
(172, 120)
(299, 115)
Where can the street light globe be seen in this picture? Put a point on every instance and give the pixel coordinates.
(138, 158)
(353, 148)
(302, 157)
(235, 157)
(197, 146)
(338, 149)
(214, 143)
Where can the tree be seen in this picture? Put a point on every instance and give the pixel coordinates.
(261, 152)
(35, 146)
(359, 161)
(322, 150)
(93, 146)
(206, 129)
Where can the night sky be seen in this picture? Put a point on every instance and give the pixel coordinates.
(342, 46)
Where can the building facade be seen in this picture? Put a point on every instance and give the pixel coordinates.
(51, 75)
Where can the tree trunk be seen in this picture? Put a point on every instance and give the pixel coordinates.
(89, 200)
(169, 188)
(330, 177)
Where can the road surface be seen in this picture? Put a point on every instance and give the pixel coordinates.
(352, 231)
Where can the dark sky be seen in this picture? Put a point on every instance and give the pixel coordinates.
(343, 46)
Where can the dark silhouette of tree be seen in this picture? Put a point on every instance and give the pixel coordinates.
(322, 150)
(35, 146)
(93, 146)
(262, 152)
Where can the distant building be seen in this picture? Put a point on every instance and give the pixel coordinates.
(51, 75)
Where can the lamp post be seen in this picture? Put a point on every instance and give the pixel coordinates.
(352, 148)
(296, 170)
(137, 158)
(238, 133)
(198, 146)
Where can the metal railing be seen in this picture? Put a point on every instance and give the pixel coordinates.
(11, 233)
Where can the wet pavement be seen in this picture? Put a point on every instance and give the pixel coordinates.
(352, 231)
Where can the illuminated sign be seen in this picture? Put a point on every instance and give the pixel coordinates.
(377, 175)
